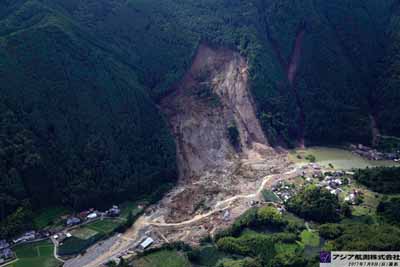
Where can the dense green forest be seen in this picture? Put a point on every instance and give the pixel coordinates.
(382, 179)
(317, 204)
(80, 82)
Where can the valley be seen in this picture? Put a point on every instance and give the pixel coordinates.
(219, 178)
(207, 133)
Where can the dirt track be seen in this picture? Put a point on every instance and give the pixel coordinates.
(215, 176)
(118, 245)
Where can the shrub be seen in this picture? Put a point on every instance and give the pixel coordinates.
(316, 204)
(330, 231)
(234, 136)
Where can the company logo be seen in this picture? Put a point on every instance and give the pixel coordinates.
(325, 257)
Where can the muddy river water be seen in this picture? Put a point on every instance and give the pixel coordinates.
(339, 158)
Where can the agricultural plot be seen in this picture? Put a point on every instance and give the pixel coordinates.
(85, 236)
(106, 226)
(39, 254)
(84, 233)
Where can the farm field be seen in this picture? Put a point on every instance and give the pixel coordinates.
(106, 226)
(39, 254)
(88, 234)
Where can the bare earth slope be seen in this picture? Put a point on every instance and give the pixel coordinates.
(218, 181)
(213, 95)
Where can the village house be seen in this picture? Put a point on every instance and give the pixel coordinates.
(352, 197)
(92, 216)
(226, 215)
(73, 221)
(5, 255)
(146, 243)
(4, 244)
(28, 236)
(113, 212)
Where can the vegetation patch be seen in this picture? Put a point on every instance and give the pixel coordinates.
(39, 254)
(309, 238)
(381, 179)
(207, 256)
(317, 204)
(362, 237)
(132, 207)
(84, 232)
(270, 196)
(106, 226)
(284, 247)
(389, 208)
(74, 245)
(162, 258)
(48, 216)
(233, 134)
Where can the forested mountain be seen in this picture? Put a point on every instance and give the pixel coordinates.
(77, 128)
(80, 81)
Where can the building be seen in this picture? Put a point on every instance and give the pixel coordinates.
(6, 254)
(146, 243)
(28, 236)
(226, 215)
(73, 221)
(92, 215)
(4, 244)
(114, 211)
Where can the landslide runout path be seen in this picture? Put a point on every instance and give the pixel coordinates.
(291, 67)
(128, 239)
(204, 151)
(226, 201)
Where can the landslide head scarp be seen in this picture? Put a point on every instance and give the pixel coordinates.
(207, 107)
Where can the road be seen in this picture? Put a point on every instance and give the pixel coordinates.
(224, 202)
(123, 242)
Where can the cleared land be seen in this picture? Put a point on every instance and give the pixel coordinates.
(39, 254)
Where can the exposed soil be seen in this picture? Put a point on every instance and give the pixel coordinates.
(291, 67)
(296, 55)
(216, 177)
(291, 75)
(374, 129)
(213, 95)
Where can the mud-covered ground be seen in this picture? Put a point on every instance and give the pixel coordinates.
(220, 177)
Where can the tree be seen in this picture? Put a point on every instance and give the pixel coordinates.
(315, 203)
(389, 208)
(268, 215)
(380, 179)
(234, 136)
(289, 259)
